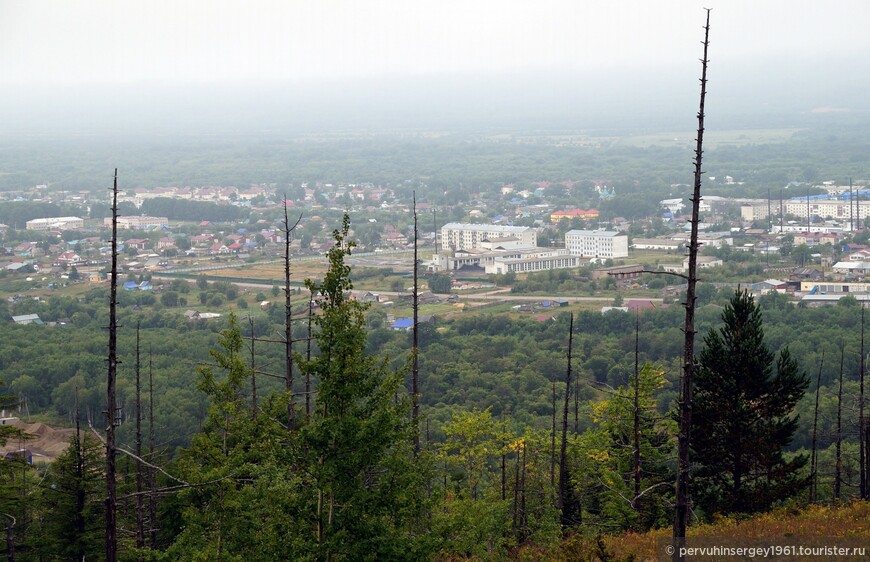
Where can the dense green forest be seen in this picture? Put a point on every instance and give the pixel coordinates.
(480, 360)
(453, 167)
(492, 391)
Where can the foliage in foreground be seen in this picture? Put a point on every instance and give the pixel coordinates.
(744, 398)
(831, 522)
(341, 485)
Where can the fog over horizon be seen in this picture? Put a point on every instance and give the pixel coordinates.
(751, 94)
(228, 67)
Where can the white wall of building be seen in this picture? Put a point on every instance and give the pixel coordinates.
(462, 236)
(596, 243)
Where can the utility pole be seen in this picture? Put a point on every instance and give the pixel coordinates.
(851, 214)
(809, 217)
(681, 511)
(781, 216)
(435, 229)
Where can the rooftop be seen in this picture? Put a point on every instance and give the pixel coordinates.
(485, 227)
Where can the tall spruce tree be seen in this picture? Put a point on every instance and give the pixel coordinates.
(236, 464)
(70, 502)
(744, 398)
(343, 485)
(358, 440)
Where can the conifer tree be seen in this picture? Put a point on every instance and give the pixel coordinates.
(344, 484)
(71, 503)
(358, 440)
(628, 424)
(242, 500)
(743, 423)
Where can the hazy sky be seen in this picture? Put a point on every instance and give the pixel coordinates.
(87, 41)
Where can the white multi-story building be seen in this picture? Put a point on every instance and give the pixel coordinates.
(56, 223)
(461, 236)
(674, 206)
(706, 239)
(134, 222)
(534, 259)
(834, 208)
(503, 258)
(756, 211)
(596, 243)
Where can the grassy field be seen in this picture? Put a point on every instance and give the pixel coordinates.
(712, 139)
(308, 268)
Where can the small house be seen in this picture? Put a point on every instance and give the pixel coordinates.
(25, 319)
(402, 324)
(24, 454)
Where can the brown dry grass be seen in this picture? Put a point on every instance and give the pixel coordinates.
(812, 526)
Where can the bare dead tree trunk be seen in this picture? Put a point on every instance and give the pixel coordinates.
(867, 455)
(503, 468)
(80, 474)
(152, 473)
(681, 511)
(253, 370)
(10, 538)
(838, 464)
(523, 519)
(415, 351)
(516, 490)
(636, 416)
(288, 324)
(861, 422)
(319, 517)
(140, 522)
(553, 441)
(428, 474)
(111, 524)
(288, 321)
(576, 408)
(308, 358)
(813, 467)
(563, 452)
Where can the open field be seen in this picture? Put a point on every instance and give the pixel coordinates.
(712, 139)
(40, 288)
(314, 267)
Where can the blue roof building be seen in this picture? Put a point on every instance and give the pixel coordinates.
(403, 324)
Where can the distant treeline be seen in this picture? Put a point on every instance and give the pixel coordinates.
(17, 213)
(183, 210)
(453, 167)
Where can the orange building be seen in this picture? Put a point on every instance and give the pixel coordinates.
(574, 214)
